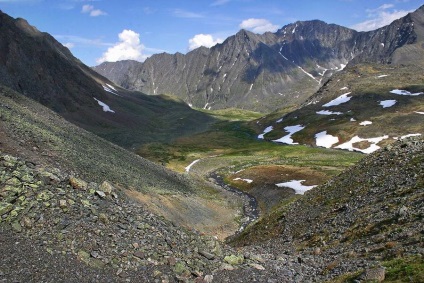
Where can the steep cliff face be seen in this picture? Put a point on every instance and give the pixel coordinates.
(272, 70)
(35, 64)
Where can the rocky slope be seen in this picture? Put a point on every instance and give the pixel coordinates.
(36, 65)
(269, 71)
(31, 131)
(369, 214)
(87, 231)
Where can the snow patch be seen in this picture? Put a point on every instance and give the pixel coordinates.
(365, 123)
(251, 87)
(106, 107)
(281, 120)
(291, 130)
(245, 180)
(325, 140)
(327, 112)
(422, 113)
(344, 88)
(409, 135)
(191, 164)
(267, 130)
(373, 147)
(405, 92)
(381, 76)
(352, 120)
(110, 89)
(310, 75)
(387, 103)
(339, 100)
(296, 185)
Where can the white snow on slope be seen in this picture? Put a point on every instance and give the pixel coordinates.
(344, 88)
(325, 140)
(422, 113)
(387, 103)
(410, 135)
(327, 112)
(245, 180)
(339, 100)
(296, 185)
(405, 92)
(281, 120)
(191, 164)
(267, 130)
(310, 75)
(373, 147)
(365, 123)
(106, 107)
(381, 76)
(110, 89)
(287, 138)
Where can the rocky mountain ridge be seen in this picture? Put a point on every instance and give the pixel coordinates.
(272, 70)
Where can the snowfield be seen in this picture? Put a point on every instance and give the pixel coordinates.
(327, 112)
(339, 100)
(296, 185)
(373, 147)
(325, 140)
(287, 138)
(187, 169)
(405, 92)
(106, 107)
(387, 103)
(267, 130)
(365, 123)
(244, 180)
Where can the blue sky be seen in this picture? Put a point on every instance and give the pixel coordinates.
(110, 30)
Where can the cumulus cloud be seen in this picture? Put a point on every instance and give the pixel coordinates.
(128, 48)
(382, 16)
(89, 9)
(206, 40)
(258, 25)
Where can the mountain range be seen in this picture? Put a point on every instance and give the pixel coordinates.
(269, 71)
(77, 204)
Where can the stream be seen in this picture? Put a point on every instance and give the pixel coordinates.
(250, 204)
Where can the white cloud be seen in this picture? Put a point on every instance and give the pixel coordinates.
(128, 48)
(258, 25)
(206, 40)
(89, 9)
(382, 16)
(69, 45)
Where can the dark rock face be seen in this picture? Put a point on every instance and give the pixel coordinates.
(35, 64)
(269, 71)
